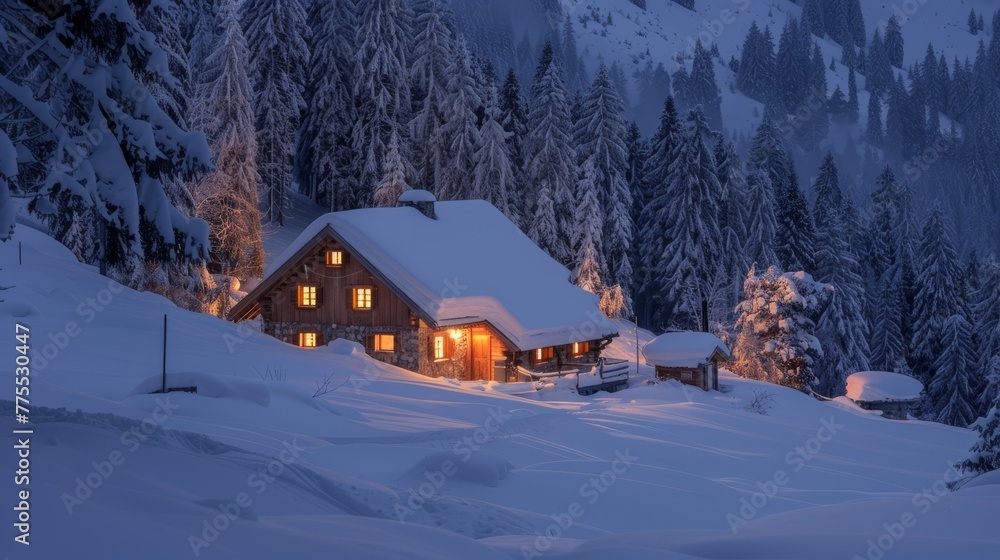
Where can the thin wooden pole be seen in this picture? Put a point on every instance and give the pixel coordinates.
(19, 262)
(164, 352)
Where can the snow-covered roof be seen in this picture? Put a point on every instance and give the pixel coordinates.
(471, 264)
(882, 386)
(417, 195)
(684, 349)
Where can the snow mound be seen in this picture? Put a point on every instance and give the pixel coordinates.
(211, 386)
(882, 386)
(17, 308)
(482, 467)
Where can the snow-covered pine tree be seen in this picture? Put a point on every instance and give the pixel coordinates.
(494, 178)
(8, 170)
(873, 132)
(103, 151)
(393, 183)
(893, 42)
(853, 106)
(513, 117)
(664, 150)
(762, 225)
(549, 165)
(888, 347)
(601, 136)
(576, 79)
(795, 61)
(986, 451)
(841, 327)
(733, 220)
(277, 35)
(589, 267)
(381, 90)
(986, 313)
(228, 198)
(702, 88)
(813, 17)
(879, 78)
(795, 238)
(951, 389)
(775, 339)
(434, 50)
(756, 72)
(690, 270)
(324, 156)
(937, 295)
(460, 131)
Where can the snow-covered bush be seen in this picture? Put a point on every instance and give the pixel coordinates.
(775, 339)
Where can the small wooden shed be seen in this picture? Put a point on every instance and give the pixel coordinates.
(690, 357)
(893, 394)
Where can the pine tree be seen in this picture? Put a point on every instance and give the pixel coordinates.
(762, 226)
(324, 155)
(893, 42)
(878, 68)
(460, 133)
(602, 134)
(873, 132)
(514, 118)
(986, 451)
(550, 160)
(756, 71)
(936, 299)
(973, 22)
(775, 339)
(853, 107)
(228, 198)
(381, 91)
(950, 390)
(813, 18)
(692, 254)
(494, 179)
(393, 183)
(657, 172)
(841, 328)
(795, 233)
(733, 220)
(575, 78)
(434, 49)
(590, 268)
(702, 89)
(276, 34)
(8, 171)
(986, 313)
(104, 154)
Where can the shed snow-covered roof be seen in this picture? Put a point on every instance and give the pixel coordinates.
(684, 349)
(882, 386)
(471, 264)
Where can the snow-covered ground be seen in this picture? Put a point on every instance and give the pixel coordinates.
(390, 464)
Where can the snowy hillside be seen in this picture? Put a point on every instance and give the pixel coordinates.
(389, 464)
(665, 31)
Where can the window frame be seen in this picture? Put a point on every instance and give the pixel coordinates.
(356, 291)
(377, 340)
(330, 263)
(543, 355)
(440, 351)
(300, 296)
(304, 338)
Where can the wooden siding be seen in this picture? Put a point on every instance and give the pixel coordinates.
(335, 305)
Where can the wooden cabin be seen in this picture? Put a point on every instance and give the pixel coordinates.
(692, 358)
(892, 394)
(450, 289)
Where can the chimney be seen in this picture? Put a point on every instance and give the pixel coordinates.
(420, 199)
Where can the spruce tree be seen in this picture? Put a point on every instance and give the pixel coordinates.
(494, 179)
(460, 132)
(796, 233)
(937, 294)
(733, 224)
(853, 107)
(513, 117)
(986, 451)
(756, 71)
(393, 182)
(550, 160)
(701, 86)
(951, 388)
(893, 42)
(381, 91)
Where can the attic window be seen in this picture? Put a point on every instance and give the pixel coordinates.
(385, 343)
(335, 259)
(307, 295)
(362, 298)
(308, 339)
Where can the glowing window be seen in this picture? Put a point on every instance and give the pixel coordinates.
(439, 348)
(580, 348)
(307, 296)
(385, 343)
(542, 354)
(334, 258)
(307, 339)
(362, 298)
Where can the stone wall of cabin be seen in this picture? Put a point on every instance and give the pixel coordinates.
(406, 356)
(455, 367)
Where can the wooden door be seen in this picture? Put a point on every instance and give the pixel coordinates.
(482, 364)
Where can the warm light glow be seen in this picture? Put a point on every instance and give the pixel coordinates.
(576, 348)
(385, 343)
(307, 296)
(334, 258)
(362, 298)
(438, 347)
(455, 333)
(538, 354)
(307, 340)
